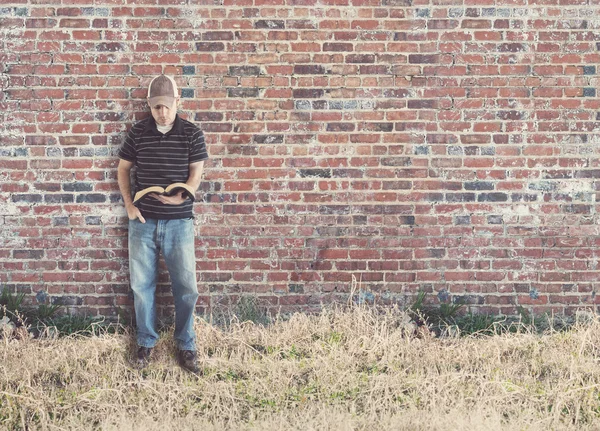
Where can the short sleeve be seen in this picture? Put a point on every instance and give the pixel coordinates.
(198, 147)
(127, 151)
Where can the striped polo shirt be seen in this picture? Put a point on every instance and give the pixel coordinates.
(161, 160)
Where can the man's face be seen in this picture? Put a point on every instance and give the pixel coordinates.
(164, 115)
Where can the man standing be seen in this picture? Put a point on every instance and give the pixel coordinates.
(165, 149)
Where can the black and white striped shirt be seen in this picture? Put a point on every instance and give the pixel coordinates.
(161, 160)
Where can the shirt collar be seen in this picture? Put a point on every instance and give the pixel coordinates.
(151, 126)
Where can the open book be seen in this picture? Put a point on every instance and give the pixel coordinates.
(168, 191)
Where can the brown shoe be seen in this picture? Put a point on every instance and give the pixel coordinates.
(142, 358)
(188, 359)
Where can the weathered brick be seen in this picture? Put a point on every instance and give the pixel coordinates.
(58, 198)
(512, 47)
(423, 58)
(268, 139)
(492, 197)
(510, 115)
(218, 35)
(310, 93)
(322, 173)
(210, 46)
(91, 198)
(338, 47)
(340, 127)
(309, 69)
(27, 198)
(28, 254)
(209, 116)
(242, 92)
(244, 70)
(269, 24)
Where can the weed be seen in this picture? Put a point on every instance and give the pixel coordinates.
(246, 309)
(11, 303)
(436, 317)
(46, 312)
(480, 324)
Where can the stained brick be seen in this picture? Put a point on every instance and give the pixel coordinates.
(77, 187)
(269, 24)
(406, 3)
(422, 104)
(309, 93)
(396, 92)
(479, 185)
(110, 116)
(27, 198)
(58, 198)
(91, 198)
(338, 47)
(210, 46)
(360, 58)
(244, 70)
(209, 116)
(218, 35)
(423, 58)
(242, 92)
(322, 173)
(492, 197)
(510, 115)
(28, 254)
(111, 46)
(309, 69)
(460, 197)
(268, 139)
(340, 127)
(442, 24)
(512, 47)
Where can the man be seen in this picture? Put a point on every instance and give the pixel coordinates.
(165, 149)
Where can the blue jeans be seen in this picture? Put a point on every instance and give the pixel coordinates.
(175, 238)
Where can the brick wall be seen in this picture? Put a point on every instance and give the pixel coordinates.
(443, 145)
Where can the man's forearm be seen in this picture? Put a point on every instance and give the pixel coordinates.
(195, 176)
(125, 186)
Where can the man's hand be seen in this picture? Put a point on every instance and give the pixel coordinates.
(123, 171)
(133, 212)
(176, 199)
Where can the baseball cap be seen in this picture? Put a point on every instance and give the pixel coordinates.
(162, 91)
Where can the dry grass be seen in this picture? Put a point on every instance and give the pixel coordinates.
(341, 370)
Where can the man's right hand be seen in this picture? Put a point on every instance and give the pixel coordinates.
(133, 212)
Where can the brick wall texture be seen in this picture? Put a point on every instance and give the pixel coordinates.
(391, 146)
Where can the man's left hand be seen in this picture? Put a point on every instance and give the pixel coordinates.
(176, 199)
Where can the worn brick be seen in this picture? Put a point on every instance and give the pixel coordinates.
(309, 69)
(210, 46)
(269, 24)
(242, 92)
(244, 70)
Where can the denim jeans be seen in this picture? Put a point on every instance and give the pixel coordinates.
(175, 239)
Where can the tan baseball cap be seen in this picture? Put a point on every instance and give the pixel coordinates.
(162, 91)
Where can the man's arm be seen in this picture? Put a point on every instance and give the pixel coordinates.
(195, 177)
(123, 171)
(193, 181)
